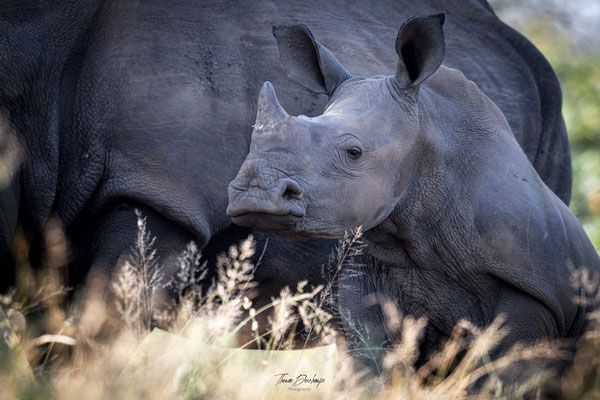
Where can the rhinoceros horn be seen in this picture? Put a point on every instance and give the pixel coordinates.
(269, 112)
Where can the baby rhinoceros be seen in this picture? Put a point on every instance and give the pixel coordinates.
(457, 222)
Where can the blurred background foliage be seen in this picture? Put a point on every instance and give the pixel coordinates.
(567, 32)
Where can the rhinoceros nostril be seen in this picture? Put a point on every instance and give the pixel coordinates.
(291, 190)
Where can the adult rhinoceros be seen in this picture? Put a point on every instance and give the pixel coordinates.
(149, 104)
(458, 223)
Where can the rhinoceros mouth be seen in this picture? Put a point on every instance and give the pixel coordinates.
(291, 210)
(288, 226)
(267, 221)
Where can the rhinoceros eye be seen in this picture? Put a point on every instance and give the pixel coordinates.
(354, 152)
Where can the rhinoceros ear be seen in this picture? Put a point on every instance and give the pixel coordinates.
(420, 48)
(307, 61)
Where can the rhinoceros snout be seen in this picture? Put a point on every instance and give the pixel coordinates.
(277, 207)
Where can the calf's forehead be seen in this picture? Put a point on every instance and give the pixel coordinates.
(368, 102)
(360, 95)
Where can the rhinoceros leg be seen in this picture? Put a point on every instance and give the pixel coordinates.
(278, 263)
(113, 243)
(362, 319)
(10, 188)
(9, 210)
(528, 322)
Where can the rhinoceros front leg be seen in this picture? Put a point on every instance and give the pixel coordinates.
(529, 323)
(115, 242)
(362, 319)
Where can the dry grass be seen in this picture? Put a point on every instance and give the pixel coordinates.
(45, 355)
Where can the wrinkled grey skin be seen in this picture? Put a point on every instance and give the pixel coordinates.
(459, 224)
(149, 104)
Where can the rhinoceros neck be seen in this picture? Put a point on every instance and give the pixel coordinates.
(465, 148)
(433, 214)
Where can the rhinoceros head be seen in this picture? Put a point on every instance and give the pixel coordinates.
(347, 167)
